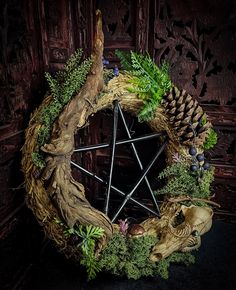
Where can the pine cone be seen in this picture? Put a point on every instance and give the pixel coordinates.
(186, 116)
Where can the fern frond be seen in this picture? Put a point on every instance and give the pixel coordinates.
(74, 60)
(125, 59)
(53, 84)
(149, 81)
(74, 80)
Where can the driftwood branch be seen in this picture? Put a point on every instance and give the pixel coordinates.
(67, 194)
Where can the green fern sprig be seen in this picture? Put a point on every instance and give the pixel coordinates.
(53, 85)
(88, 235)
(149, 81)
(125, 59)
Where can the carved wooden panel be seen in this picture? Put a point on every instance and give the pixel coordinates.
(19, 77)
(198, 40)
(56, 32)
(83, 16)
(125, 26)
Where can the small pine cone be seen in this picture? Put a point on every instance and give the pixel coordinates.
(186, 116)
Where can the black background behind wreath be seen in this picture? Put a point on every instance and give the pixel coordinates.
(196, 37)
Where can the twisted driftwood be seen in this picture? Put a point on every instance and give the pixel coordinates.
(68, 194)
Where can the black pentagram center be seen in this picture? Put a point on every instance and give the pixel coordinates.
(128, 196)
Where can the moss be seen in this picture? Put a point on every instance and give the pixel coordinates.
(211, 140)
(176, 257)
(38, 160)
(130, 258)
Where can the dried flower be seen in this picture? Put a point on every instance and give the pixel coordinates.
(176, 157)
(123, 224)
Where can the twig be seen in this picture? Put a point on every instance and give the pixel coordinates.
(179, 199)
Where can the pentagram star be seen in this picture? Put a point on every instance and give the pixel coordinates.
(143, 176)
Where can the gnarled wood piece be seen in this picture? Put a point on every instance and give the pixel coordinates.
(67, 194)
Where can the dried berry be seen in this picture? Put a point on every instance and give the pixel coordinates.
(192, 151)
(200, 157)
(193, 167)
(206, 166)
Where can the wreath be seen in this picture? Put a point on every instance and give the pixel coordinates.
(59, 202)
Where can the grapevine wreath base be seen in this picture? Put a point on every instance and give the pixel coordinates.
(59, 202)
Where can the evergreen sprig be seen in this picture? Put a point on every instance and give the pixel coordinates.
(181, 181)
(149, 81)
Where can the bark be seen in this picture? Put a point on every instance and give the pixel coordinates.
(67, 194)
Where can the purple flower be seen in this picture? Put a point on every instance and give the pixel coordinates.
(176, 157)
(105, 61)
(116, 71)
(123, 226)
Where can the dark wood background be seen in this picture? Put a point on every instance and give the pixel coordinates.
(197, 38)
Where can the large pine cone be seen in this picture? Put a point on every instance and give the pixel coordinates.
(186, 117)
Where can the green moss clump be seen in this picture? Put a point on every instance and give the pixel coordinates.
(181, 181)
(177, 257)
(211, 140)
(150, 81)
(212, 137)
(38, 160)
(130, 257)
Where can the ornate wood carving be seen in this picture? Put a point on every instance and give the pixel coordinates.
(82, 12)
(20, 75)
(56, 32)
(198, 40)
(142, 27)
(125, 26)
